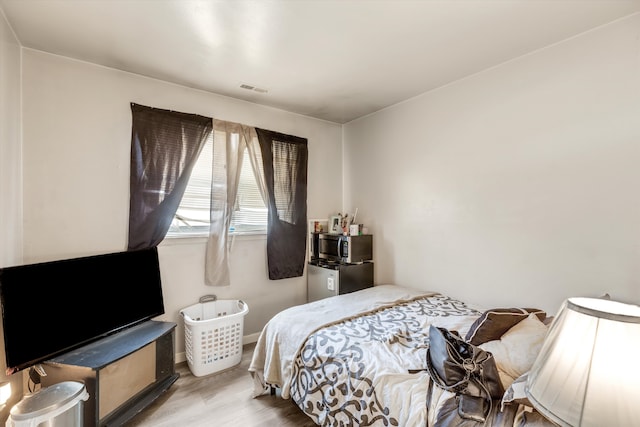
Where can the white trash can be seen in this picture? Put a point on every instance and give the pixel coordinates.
(59, 405)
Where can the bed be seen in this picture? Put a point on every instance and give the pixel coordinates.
(360, 358)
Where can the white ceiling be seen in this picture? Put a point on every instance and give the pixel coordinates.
(336, 60)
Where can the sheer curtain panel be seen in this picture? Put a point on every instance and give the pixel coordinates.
(164, 147)
(284, 161)
(229, 142)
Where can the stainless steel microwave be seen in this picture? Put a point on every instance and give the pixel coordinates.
(345, 249)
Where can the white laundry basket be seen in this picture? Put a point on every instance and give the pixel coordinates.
(213, 331)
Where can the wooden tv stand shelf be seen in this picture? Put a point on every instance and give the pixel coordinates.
(123, 372)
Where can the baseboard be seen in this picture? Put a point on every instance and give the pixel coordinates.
(250, 339)
(247, 339)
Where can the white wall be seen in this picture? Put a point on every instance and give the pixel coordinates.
(10, 172)
(10, 150)
(515, 186)
(77, 130)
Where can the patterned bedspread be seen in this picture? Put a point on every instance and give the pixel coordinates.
(284, 335)
(367, 370)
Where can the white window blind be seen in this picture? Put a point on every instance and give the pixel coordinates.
(192, 217)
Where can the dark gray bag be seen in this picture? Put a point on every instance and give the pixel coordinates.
(466, 370)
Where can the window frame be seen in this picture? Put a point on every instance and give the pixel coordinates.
(202, 171)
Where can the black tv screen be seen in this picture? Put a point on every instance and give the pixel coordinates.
(52, 307)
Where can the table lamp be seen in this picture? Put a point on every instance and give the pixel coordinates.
(587, 371)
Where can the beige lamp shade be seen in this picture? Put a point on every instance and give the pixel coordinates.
(587, 372)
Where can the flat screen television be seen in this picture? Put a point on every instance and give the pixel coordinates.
(53, 307)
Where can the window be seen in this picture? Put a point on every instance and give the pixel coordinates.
(192, 217)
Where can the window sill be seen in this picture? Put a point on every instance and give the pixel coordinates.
(197, 239)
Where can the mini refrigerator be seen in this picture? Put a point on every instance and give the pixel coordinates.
(329, 279)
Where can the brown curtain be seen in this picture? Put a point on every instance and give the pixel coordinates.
(284, 159)
(164, 147)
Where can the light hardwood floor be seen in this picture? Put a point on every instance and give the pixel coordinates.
(220, 399)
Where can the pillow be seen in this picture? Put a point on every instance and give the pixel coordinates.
(517, 349)
(494, 323)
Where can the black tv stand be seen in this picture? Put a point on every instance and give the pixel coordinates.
(123, 372)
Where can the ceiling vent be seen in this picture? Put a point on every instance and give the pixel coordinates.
(253, 88)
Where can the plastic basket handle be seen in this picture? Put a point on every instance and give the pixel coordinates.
(207, 298)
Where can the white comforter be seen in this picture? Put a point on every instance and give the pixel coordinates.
(285, 333)
(352, 359)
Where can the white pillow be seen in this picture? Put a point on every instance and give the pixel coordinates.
(517, 349)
